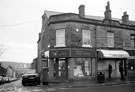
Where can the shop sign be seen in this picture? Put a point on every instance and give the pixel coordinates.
(82, 53)
(59, 53)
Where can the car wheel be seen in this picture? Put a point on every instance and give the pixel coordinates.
(38, 82)
(23, 83)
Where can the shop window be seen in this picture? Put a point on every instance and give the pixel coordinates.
(60, 38)
(82, 67)
(131, 64)
(103, 64)
(110, 39)
(86, 38)
(132, 40)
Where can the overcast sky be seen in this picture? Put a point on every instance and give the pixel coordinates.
(20, 22)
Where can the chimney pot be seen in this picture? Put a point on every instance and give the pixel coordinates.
(108, 6)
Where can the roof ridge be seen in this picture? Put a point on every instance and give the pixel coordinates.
(50, 13)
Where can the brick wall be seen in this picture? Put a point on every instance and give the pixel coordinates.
(51, 69)
(72, 37)
(102, 37)
(126, 38)
(118, 39)
(93, 68)
(71, 68)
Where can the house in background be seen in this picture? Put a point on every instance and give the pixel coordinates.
(7, 71)
(10, 72)
(34, 63)
(78, 46)
(3, 71)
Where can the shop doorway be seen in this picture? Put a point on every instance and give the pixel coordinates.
(61, 68)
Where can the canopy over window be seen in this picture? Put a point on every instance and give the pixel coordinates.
(113, 53)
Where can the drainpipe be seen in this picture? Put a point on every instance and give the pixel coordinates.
(96, 66)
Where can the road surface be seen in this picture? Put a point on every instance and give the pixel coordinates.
(18, 87)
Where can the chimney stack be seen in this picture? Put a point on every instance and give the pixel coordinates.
(82, 11)
(125, 18)
(108, 12)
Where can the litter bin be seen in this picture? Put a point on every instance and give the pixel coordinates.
(45, 76)
(100, 77)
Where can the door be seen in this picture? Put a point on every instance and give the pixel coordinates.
(61, 68)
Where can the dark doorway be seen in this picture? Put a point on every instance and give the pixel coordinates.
(61, 68)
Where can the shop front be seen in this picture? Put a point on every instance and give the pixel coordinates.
(131, 64)
(131, 60)
(72, 63)
(113, 57)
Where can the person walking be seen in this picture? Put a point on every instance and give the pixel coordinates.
(121, 71)
(110, 70)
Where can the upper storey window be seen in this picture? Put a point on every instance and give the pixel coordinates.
(60, 38)
(110, 39)
(132, 40)
(86, 38)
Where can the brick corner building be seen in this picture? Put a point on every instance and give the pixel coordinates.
(79, 46)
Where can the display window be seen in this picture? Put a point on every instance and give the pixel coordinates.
(82, 67)
(131, 64)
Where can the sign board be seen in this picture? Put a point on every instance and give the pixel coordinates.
(63, 53)
(59, 53)
(83, 53)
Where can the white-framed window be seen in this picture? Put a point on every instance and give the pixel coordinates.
(86, 38)
(60, 38)
(110, 39)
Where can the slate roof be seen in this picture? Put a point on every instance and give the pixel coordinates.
(50, 13)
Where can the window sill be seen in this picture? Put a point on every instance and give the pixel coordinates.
(86, 46)
(60, 46)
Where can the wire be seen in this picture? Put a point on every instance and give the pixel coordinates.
(22, 23)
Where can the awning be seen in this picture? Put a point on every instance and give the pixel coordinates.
(113, 53)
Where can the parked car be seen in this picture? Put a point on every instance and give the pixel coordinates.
(6, 79)
(32, 78)
(13, 79)
(1, 80)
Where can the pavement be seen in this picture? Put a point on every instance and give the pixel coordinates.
(87, 83)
